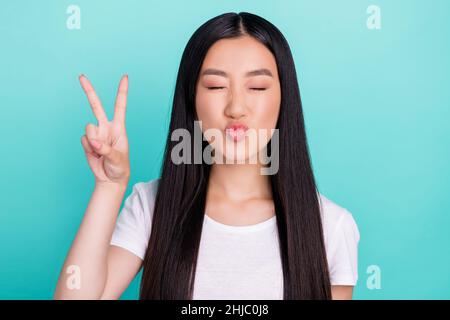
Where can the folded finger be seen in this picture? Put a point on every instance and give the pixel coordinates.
(87, 147)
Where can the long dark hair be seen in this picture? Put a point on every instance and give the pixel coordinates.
(171, 257)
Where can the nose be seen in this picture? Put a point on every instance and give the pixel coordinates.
(236, 107)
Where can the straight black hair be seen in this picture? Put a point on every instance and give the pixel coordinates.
(170, 262)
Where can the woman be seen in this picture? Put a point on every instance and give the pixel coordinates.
(216, 230)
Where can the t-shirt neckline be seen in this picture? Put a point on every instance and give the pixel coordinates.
(246, 228)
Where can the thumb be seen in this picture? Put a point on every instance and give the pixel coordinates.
(105, 150)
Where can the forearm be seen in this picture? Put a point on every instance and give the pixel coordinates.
(89, 250)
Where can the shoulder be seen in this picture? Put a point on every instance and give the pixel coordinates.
(147, 189)
(133, 226)
(336, 218)
(139, 204)
(341, 238)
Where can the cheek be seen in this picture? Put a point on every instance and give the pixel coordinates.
(266, 111)
(209, 110)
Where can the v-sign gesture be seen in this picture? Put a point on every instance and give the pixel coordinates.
(106, 144)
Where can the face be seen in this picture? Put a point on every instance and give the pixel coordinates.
(238, 85)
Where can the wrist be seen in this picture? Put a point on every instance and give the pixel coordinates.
(111, 186)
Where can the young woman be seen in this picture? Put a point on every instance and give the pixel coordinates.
(215, 230)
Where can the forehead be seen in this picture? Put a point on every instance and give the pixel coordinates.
(239, 55)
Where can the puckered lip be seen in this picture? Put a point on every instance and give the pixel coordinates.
(236, 126)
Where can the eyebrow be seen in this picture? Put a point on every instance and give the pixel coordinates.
(257, 72)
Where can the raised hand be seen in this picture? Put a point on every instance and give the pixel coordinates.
(106, 144)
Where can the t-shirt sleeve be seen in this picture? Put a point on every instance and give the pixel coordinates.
(343, 251)
(131, 229)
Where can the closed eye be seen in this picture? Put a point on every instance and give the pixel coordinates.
(218, 88)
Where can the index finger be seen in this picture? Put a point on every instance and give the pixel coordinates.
(121, 101)
(94, 101)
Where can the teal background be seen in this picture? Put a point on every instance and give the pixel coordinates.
(376, 104)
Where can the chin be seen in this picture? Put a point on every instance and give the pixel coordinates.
(239, 156)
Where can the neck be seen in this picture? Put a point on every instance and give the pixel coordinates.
(239, 182)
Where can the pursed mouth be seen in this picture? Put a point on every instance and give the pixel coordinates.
(236, 133)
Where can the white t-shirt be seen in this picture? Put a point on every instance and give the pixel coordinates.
(241, 262)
